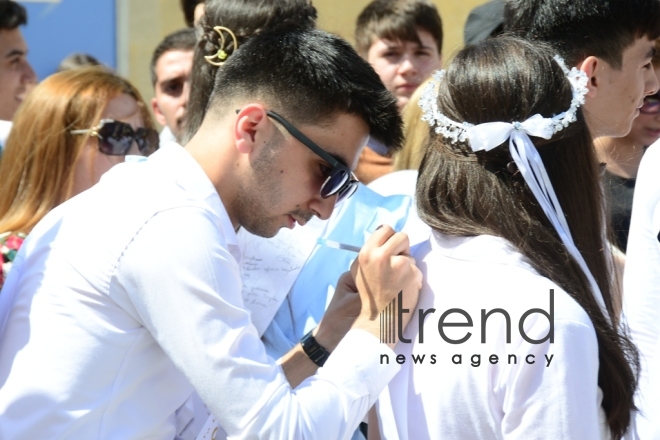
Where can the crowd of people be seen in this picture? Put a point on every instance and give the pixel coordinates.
(337, 242)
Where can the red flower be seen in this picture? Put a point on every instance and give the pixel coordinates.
(14, 242)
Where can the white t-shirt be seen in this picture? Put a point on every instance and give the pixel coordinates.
(127, 297)
(495, 392)
(641, 289)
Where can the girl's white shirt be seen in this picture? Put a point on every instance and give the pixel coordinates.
(444, 400)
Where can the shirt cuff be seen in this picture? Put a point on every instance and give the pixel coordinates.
(356, 362)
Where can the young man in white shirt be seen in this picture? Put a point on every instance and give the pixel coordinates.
(126, 299)
(171, 66)
(16, 74)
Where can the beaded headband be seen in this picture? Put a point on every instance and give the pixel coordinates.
(487, 136)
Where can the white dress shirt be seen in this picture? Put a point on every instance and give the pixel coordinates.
(503, 400)
(641, 289)
(127, 297)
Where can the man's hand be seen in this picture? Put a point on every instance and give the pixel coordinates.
(384, 268)
(344, 308)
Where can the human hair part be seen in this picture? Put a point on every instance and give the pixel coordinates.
(77, 60)
(12, 15)
(183, 40)
(397, 20)
(415, 133)
(245, 18)
(578, 29)
(309, 77)
(40, 153)
(468, 194)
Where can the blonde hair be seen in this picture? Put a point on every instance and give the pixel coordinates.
(41, 154)
(416, 134)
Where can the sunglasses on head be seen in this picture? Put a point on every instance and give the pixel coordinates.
(651, 105)
(341, 181)
(116, 138)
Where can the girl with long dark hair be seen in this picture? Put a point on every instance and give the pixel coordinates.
(515, 334)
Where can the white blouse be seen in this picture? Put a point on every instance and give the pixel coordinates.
(500, 389)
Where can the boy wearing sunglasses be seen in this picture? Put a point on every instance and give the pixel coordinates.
(131, 294)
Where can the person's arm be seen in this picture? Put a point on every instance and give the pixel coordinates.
(338, 319)
(189, 298)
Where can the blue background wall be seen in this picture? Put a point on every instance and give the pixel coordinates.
(55, 30)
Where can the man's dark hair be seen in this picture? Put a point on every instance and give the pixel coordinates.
(183, 39)
(308, 77)
(397, 20)
(582, 28)
(188, 8)
(12, 15)
(245, 18)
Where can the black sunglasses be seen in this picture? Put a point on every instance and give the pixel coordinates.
(341, 181)
(116, 138)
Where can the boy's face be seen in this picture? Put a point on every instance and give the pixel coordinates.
(621, 91)
(404, 65)
(16, 74)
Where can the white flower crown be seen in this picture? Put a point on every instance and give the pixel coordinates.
(490, 135)
(458, 132)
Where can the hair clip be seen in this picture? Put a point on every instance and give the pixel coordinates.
(222, 55)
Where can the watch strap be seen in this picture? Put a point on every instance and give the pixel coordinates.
(314, 350)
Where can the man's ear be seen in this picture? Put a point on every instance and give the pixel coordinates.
(251, 125)
(160, 117)
(592, 66)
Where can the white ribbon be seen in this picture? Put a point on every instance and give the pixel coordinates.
(489, 135)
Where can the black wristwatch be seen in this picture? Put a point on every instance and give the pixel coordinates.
(313, 349)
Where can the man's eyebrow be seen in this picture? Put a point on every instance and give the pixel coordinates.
(15, 52)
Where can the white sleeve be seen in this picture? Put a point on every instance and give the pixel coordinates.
(559, 401)
(186, 289)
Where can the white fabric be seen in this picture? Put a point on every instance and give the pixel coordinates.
(5, 128)
(641, 289)
(127, 297)
(492, 401)
(166, 136)
(489, 135)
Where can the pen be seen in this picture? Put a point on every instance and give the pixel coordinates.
(338, 245)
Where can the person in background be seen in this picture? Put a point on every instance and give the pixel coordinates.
(76, 126)
(193, 11)
(613, 42)
(622, 157)
(236, 21)
(171, 66)
(76, 60)
(641, 288)
(402, 40)
(16, 74)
